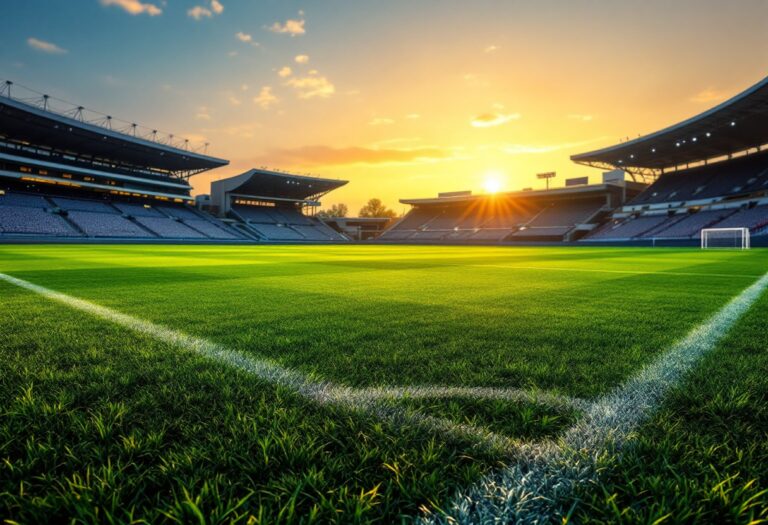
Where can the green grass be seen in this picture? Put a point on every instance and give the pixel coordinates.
(704, 456)
(101, 424)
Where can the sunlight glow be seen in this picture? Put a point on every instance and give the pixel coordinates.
(493, 182)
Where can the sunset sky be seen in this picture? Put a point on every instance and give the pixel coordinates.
(401, 98)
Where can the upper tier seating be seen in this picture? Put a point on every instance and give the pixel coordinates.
(179, 212)
(30, 220)
(137, 210)
(83, 205)
(752, 218)
(721, 179)
(106, 224)
(23, 199)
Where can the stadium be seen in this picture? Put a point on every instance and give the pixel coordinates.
(65, 178)
(174, 352)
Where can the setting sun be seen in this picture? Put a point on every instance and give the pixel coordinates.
(492, 183)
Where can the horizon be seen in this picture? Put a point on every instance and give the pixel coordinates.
(411, 104)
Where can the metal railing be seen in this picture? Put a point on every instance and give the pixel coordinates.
(57, 106)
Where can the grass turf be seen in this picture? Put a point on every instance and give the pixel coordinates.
(99, 422)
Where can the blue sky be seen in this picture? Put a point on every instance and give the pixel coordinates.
(402, 98)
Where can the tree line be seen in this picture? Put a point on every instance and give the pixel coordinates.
(373, 208)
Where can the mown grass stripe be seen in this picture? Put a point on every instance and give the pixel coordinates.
(536, 487)
(374, 401)
(621, 272)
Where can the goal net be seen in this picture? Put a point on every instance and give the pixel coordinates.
(725, 238)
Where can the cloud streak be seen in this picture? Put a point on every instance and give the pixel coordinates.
(45, 47)
(489, 120)
(134, 7)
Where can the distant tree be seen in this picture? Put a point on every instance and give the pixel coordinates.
(337, 210)
(375, 208)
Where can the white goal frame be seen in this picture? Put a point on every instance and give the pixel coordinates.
(738, 235)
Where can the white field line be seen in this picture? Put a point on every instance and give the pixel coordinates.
(536, 486)
(369, 400)
(625, 272)
(539, 397)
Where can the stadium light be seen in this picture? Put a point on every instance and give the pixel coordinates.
(733, 123)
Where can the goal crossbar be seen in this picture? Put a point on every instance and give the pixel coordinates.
(725, 238)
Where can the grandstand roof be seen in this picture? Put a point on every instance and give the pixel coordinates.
(24, 122)
(738, 124)
(555, 193)
(268, 184)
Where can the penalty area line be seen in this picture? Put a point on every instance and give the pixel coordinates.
(376, 401)
(536, 486)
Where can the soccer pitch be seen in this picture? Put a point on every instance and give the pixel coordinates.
(299, 384)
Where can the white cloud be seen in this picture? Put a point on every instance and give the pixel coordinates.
(413, 116)
(199, 12)
(45, 47)
(381, 121)
(244, 87)
(302, 59)
(265, 98)
(234, 100)
(488, 120)
(312, 86)
(284, 72)
(246, 38)
(491, 49)
(232, 54)
(290, 27)
(580, 116)
(134, 7)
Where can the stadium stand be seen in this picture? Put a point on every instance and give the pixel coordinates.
(137, 210)
(269, 204)
(36, 221)
(556, 215)
(61, 175)
(105, 225)
(709, 171)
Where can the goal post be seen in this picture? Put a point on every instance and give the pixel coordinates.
(725, 238)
